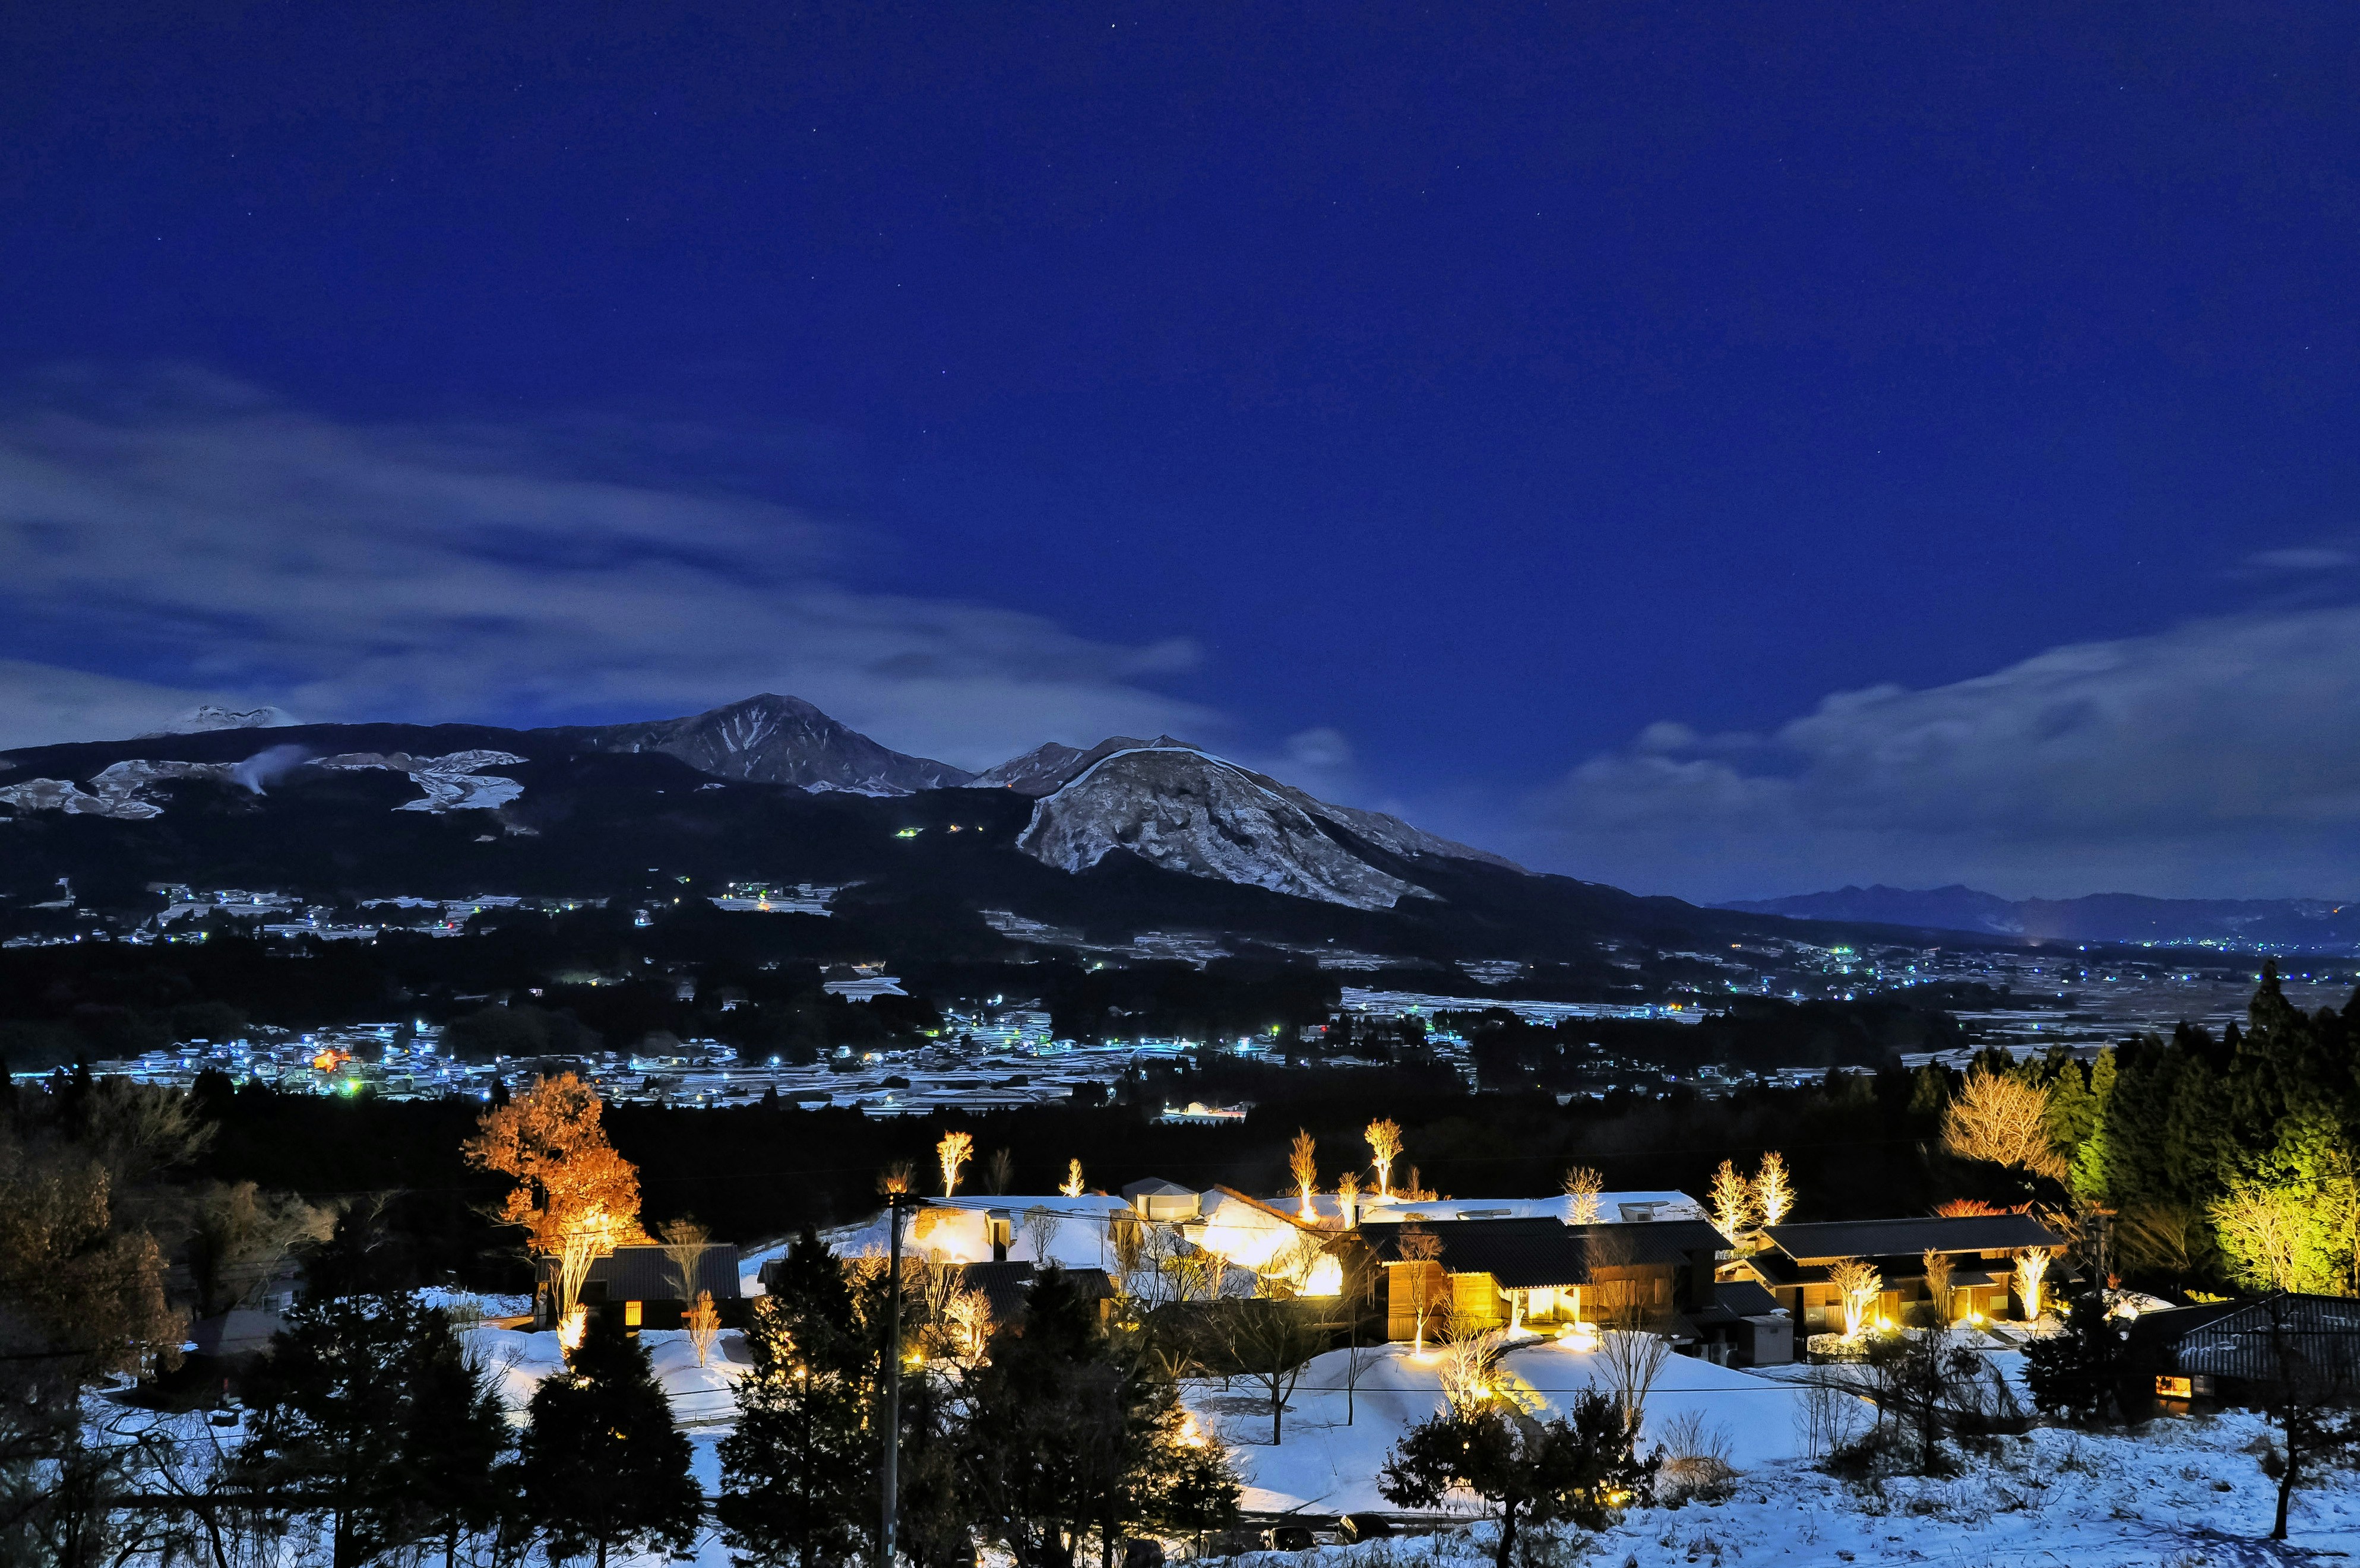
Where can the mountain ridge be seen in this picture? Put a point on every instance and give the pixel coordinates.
(2093, 917)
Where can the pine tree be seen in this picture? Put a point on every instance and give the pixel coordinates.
(2078, 1374)
(1580, 1466)
(370, 1417)
(1070, 1438)
(798, 1476)
(603, 1463)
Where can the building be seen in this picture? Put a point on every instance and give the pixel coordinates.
(1537, 1274)
(643, 1287)
(1794, 1261)
(2236, 1352)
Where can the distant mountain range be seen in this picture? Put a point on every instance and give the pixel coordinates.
(1126, 836)
(2100, 917)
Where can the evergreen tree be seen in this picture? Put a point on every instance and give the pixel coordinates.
(1580, 1466)
(603, 1463)
(2087, 1177)
(371, 1418)
(2078, 1374)
(1069, 1437)
(799, 1474)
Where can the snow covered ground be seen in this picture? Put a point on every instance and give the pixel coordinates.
(1328, 1465)
(2177, 1494)
(700, 1396)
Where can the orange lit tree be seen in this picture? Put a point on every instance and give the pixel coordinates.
(575, 1197)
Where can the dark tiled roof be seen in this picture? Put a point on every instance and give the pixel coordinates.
(1539, 1253)
(1744, 1297)
(649, 1274)
(1827, 1242)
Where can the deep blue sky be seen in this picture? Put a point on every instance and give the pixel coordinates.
(1458, 390)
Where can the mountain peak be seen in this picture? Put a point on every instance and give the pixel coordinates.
(776, 739)
(1182, 809)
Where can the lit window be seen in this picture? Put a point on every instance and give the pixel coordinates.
(2175, 1388)
(630, 1315)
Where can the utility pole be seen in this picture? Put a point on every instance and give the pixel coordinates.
(892, 1380)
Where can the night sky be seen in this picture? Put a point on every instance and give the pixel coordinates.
(1720, 450)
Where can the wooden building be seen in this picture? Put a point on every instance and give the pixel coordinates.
(1794, 1261)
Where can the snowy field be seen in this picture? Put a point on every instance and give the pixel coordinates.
(2177, 1494)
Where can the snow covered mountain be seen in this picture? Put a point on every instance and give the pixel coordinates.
(771, 739)
(1184, 809)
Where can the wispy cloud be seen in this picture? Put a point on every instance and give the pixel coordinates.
(257, 551)
(2219, 757)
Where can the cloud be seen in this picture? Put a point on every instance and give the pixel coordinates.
(2221, 756)
(348, 571)
(2302, 558)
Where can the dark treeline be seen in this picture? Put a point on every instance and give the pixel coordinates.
(1749, 1033)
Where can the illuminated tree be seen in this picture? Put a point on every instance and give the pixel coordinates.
(954, 1150)
(685, 1242)
(1732, 1202)
(702, 1320)
(575, 1197)
(1419, 1248)
(1347, 1194)
(1774, 1189)
(2031, 1266)
(1384, 1146)
(1937, 1284)
(896, 1179)
(1857, 1283)
(1072, 1187)
(1303, 1163)
(1582, 1186)
(2002, 1119)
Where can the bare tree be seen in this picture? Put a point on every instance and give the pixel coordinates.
(1269, 1343)
(1857, 1284)
(1734, 1201)
(2264, 1229)
(1000, 1172)
(1582, 1186)
(952, 1154)
(2308, 1387)
(1419, 1247)
(2031, 1266)
(1774, 1189)
(702, 1320)
(685, 1242)
(1347, 1198)
(2003, 1119)
(1384, 1137)
(1303, 1164)
(1937, 1284)
(1040, 1229)
(1072, 1186)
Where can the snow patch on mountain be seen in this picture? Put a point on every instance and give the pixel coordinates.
(119, 792)
(452, 783)
(211, 716)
